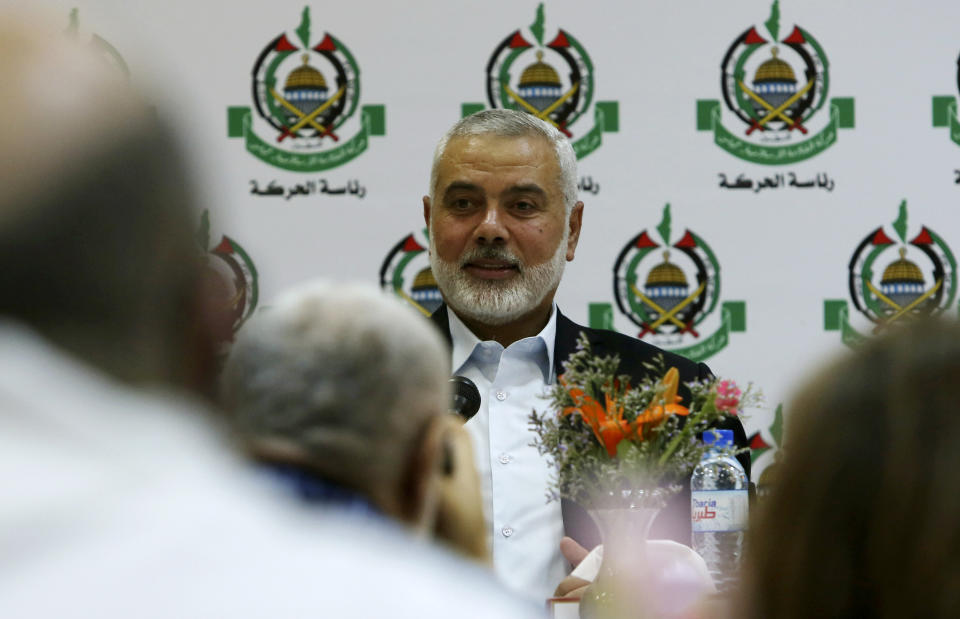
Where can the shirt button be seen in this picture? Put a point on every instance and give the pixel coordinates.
(501, 395)
(506, 531)
(505, 458)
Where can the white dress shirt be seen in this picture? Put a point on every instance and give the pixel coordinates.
(524, 529)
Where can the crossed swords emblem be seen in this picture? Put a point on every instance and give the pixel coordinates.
(668, 315)
(308, 119)
(900, 312)
(406, 297)
(776, 112)
(545, 114)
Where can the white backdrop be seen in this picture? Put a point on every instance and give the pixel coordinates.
(782, 250)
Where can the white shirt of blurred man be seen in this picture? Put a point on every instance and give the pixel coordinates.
(122, 503)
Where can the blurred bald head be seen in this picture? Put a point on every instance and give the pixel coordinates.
(61, 104)
(95, 216)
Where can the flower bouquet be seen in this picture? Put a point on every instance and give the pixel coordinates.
(621, 451)
(619, 445)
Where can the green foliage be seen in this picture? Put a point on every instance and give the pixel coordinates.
(900, 225)
(537, 26)
(654, 461)
(773, 23)
(304, 30)
(664, 227)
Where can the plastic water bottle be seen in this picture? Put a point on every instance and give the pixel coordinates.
(718, 509)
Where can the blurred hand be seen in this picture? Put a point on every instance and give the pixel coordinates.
(572, 551)
(571, 586)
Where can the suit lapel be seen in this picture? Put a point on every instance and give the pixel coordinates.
(577, 523)
(440, 319)
(565, 342)
(568, 332)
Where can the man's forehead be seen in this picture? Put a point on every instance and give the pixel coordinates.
(524, 156)
(493, 144)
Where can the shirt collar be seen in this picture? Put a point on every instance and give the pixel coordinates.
(313, 489)
(464, 343)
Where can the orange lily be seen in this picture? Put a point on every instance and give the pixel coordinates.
(607, 422)
(667, 405)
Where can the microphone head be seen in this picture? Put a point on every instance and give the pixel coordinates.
(466, 397)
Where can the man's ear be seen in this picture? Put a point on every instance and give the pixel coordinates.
(426, 211)
(459, 520)
(207, 331)
(425, 468)
(449, 504)
(575, 221)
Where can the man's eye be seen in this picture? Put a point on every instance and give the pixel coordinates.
(461, 204)
(524, 206)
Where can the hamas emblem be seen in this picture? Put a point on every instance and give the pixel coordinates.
(552, 79)
(945, 111)
(917, 277)
(668, 291)
(775, 88)
(406, 273)
(306, 92)
(234, 274)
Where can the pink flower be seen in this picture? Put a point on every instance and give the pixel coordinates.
(728, 397)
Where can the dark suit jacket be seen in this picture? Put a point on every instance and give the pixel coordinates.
(674, 521)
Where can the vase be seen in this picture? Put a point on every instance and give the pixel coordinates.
(622, 587)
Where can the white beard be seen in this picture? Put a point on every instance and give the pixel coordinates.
(497, 302)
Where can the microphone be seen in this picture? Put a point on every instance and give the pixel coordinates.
(466, 397)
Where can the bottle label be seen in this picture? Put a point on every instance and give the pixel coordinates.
(718, 510)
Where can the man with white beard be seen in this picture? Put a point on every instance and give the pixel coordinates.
(503, 218)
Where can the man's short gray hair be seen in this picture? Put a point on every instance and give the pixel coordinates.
(514, 124)
(344, 373)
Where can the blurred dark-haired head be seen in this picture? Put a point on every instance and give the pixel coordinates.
(96, 216)
(863, 521)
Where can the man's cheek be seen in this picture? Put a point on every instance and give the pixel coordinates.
(451, 243)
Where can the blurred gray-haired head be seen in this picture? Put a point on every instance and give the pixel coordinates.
(514, 124)
(344, 375)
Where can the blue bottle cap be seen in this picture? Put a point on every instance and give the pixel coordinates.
(718, 438)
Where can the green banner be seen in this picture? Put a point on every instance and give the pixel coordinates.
(372, 119)
(592, 139)
(841, 117)
(601, 316)
(732, 319)
(836, 317)
(848, 335)
(471, 108)
(945, 115)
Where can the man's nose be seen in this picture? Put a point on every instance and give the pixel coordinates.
(492, 228)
